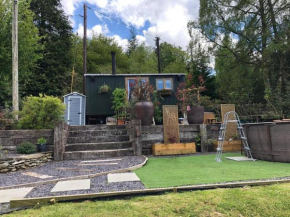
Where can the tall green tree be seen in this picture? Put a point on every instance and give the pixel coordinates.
(132, 41)
(52, 76)
(260, 29)
(28, 49)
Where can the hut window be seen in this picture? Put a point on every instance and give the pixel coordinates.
(164, 84)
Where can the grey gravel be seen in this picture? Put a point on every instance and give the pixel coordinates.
(98, 185)
(50, 168)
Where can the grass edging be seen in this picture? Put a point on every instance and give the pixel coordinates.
(42, 200)
(32, 184)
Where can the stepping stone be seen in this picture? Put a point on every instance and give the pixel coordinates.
(17, 193)
(100, 164)
(72, 185)
(240, 159)
(36, 175)
(94, 161)
(122, 177)
(74, 169)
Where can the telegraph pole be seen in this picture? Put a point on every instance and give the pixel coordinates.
(158, 54)
(85, 49)
(15, 93)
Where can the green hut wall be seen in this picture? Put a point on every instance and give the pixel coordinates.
(100, 104)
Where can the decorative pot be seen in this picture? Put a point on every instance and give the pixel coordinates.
(121, 121)
(144, 110)
(41, 147)
(195, 115)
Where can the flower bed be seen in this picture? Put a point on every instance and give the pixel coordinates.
(24, 162)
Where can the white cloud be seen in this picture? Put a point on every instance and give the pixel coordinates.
(168, 18)
(97, 29)
(122, 42)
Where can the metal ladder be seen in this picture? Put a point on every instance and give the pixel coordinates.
(222, 134)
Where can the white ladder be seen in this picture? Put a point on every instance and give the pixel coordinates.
(222, 134)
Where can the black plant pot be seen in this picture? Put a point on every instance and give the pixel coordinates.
(41, 147)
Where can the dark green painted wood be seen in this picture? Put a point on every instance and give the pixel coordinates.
(100, 104)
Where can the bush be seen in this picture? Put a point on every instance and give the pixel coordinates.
(41, 112)
(26, 148)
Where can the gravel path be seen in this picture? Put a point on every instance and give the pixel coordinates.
(50, 168)
(98, 184)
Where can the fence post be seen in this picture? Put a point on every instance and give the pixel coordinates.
(203, 137)
(134, 131)
(60, 139)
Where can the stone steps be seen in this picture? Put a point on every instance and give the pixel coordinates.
(110, 132)
(97, 139)
(97, 127)
(98, 146)
(94, 154)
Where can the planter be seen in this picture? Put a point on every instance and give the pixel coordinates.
(195, 115)
(174, 149)
(229, 146)
(144, 111)
(121, 121)
(41, 147)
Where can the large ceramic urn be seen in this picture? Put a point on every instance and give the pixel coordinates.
(195, 115)
(144, 110)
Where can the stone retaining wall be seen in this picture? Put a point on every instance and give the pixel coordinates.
(9, 139)
(188, 133)
(24, 161)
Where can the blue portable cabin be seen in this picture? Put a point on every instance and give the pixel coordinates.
(75, 112)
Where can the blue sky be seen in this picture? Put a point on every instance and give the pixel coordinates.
(165, 18)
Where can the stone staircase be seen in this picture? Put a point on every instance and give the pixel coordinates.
(97, 141)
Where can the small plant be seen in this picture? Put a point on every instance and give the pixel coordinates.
(26, 148)
(41, 141)
(104, 88)
(141, 90)
(157, 108)
(119, 102)
(197, 140)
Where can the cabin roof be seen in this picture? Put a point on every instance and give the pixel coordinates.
(137, 75)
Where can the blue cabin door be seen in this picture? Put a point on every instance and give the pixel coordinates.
(74, 110)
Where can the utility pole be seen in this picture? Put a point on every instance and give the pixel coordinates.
(85, 49)
(158, 54)
(15, 93)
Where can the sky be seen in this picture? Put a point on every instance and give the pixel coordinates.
(166, 18)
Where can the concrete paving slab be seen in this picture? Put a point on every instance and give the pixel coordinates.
(98, 164)
(122, 177)
(240, 159)
(94, 161)
(72, 185)
(74, 169)
(17, 193)
(36, 175)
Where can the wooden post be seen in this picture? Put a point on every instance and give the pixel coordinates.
(137, 138)
(203, 137)
(158, 55)
(15, 94)
(85, 49)
(60, 139)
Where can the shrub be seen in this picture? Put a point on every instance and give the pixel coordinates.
(26, 148)
(41, 112)
(41, 141)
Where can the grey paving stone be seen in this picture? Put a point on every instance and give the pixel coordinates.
(122, 177)
(17, 193)
(72, 185)
(240, 158)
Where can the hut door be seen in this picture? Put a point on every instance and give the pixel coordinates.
(74, 110)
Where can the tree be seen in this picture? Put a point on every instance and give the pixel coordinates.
(28, 49)
(173, 59)
(52, 76)
(260, 30)
(132, 41)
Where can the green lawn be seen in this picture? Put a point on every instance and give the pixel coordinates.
(249, 201)
(177, 171)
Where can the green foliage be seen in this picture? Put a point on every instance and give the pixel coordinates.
(41, 141)
(29, 50)
(26, 148)
(104, 88)
(52, 76)
(119, 102)
(157, 108)
(41, 112)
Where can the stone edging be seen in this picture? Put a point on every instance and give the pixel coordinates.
(32, 184)
(24, 162)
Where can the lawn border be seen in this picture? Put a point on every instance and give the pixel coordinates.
(33, 184)
(42, 200)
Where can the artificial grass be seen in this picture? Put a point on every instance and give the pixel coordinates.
(248, 201)
(203, 169)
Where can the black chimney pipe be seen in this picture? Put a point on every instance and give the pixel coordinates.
(113, 53)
